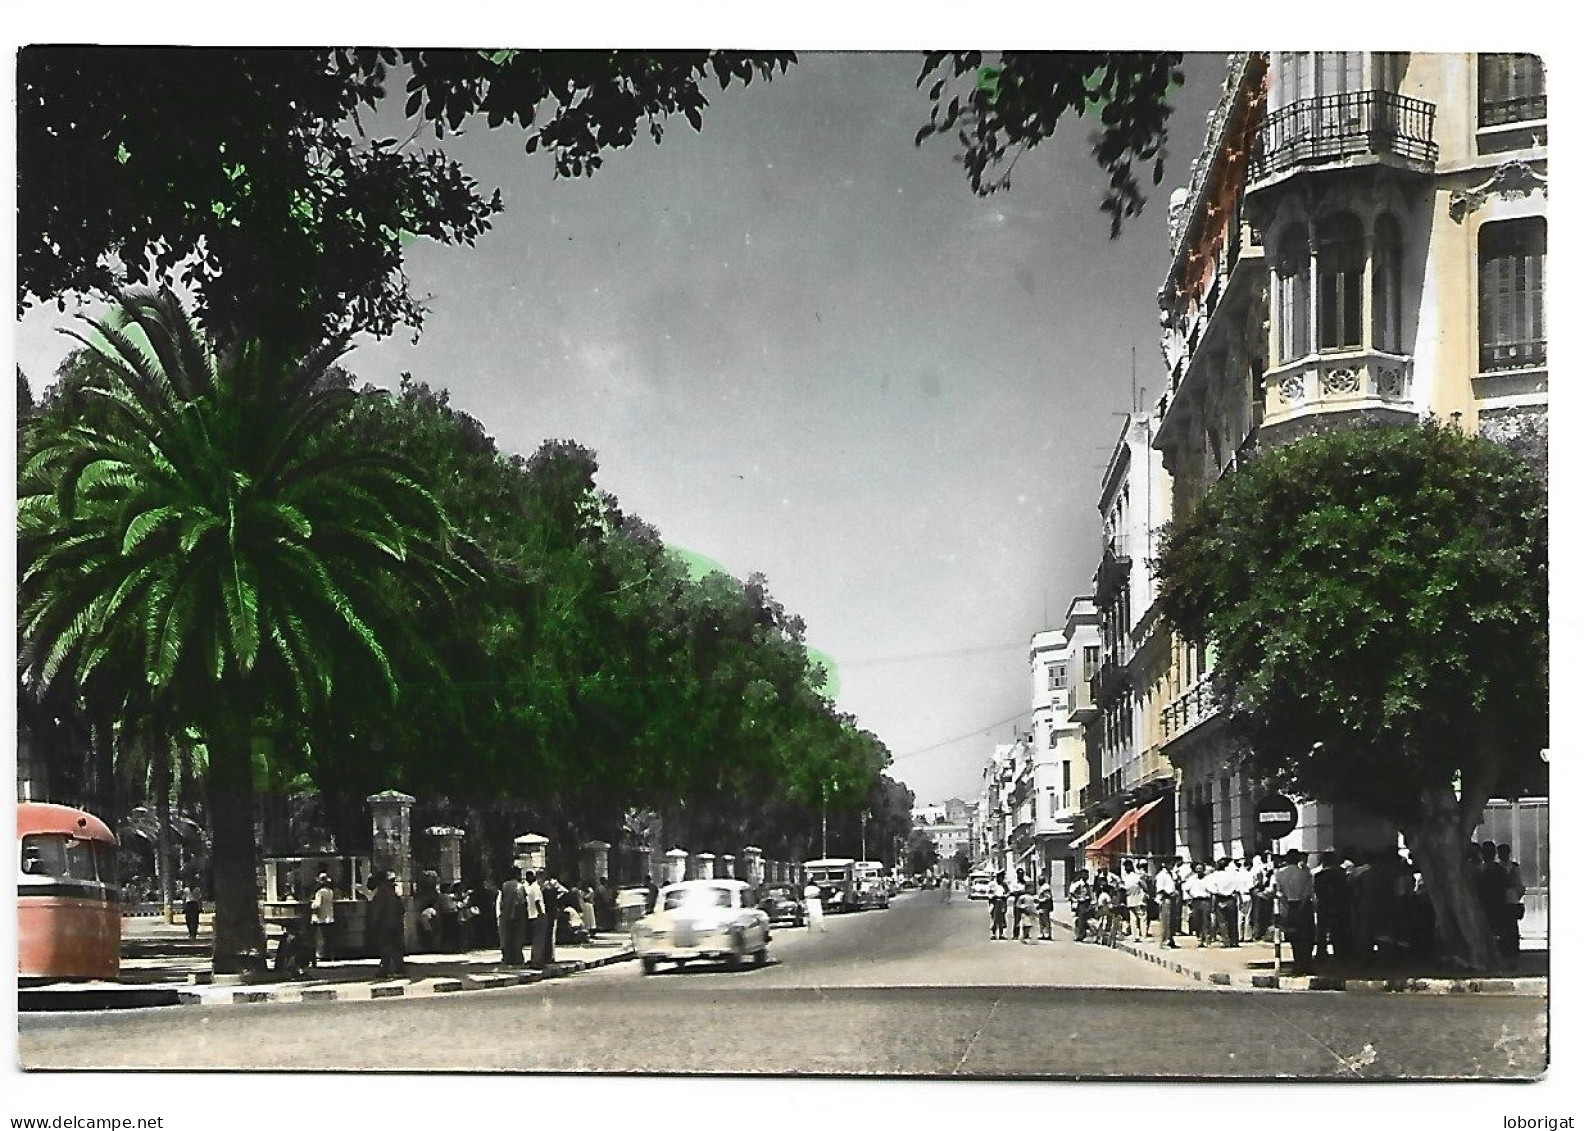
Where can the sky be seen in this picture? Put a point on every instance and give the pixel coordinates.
(800, 345)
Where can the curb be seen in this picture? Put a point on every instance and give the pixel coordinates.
(1519, 987)
(224, 994)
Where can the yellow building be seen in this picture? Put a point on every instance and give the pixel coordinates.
(1363, 238)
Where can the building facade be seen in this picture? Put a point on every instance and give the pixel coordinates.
(1363, 238)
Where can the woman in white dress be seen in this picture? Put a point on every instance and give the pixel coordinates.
(813, 908)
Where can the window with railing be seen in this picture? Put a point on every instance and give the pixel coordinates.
(1511, 89)
(1512, 255)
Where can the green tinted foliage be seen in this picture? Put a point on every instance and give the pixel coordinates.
(999, 110)
(1376, 600)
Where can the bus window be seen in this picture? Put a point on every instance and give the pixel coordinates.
(105, 861)
(43, 855)
(80, 860)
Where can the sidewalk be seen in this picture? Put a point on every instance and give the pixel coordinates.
(161, 966)
(1252, 965)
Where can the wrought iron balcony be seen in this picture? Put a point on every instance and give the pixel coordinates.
(1356, 124)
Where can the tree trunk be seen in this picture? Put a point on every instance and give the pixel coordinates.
(1439, 845)
(162, 815)
(239, 945)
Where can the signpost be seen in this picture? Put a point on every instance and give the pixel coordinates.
(1276, 816)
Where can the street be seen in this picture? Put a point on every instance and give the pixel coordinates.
(919, 989)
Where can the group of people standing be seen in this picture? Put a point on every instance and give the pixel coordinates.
(534, 910)
(1365, 907)
(1022, 902)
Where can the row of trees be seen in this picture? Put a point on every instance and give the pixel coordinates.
(238, 552)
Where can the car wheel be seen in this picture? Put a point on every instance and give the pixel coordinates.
(762, 955)
(650, 965)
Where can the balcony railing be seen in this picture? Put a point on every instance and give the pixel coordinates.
(1188, 710)
(1358, 123)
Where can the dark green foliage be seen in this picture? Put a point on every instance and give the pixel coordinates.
(200, 548)
(1000, 109)
(250, 177)
(1376, 603)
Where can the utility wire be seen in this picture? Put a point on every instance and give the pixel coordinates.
(963, 737)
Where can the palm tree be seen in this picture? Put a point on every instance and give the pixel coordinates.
(204, 523)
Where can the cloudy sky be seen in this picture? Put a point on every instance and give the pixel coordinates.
(800, 345)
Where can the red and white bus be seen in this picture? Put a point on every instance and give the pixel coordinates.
(68, 903)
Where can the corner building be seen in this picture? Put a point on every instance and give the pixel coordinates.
(1363, 237)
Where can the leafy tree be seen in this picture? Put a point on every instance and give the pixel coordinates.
(922, 855)
(960, 864)
(250, 177)
(1001, 109)
(1376, 601)
(209, 531)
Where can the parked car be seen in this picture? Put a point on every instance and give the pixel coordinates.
(709, 919)
(783, 904)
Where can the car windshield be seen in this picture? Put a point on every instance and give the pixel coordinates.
(692, 898)
(778, 893)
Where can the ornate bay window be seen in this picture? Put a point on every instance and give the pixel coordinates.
(1337, 318)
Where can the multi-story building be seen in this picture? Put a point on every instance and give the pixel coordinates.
(1130, 780)
(949, 829)
(1363, 238)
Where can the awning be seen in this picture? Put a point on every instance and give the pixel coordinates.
(1123, 823)
(1080, 841)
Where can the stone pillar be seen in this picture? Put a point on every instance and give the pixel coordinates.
(392, 841)
(728, 867)
(531, 852)
(704, 866)
(450, 839)
(596, 861)
(676, 865)
(754, 864)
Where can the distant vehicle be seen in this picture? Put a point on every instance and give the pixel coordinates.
(980, 885)
(783, 904)
(909, 883)
(837, 882)
(708, 919)
(68, 903)
(870, 885)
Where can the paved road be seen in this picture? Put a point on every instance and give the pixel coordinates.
(918, 989)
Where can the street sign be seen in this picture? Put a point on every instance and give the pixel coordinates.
(1276, 816)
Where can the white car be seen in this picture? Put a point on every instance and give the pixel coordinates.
(980, 885)
(715, 919)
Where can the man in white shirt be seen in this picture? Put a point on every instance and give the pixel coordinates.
(1223, 889)
(1135, 899)
(1243, 887)
(539, 923)
(321, 917)
(1196, 890)
(1166, 897)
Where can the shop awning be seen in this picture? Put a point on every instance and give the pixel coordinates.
(1123, 823)
(1078, 842)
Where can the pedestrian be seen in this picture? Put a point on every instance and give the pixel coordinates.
(511, 917)
(1080, 898)
(551, 901)
(484, 933)
(1135, 899)
(1200, 911)
(813, 908)
(321, 918)
(1045, 903)
(1295, 890)
(388, 918)
(1333, 931)
(192, 907)
(1224, 893)
(1264, 897)
(1166, 896)
(604, 905)
(1513, 893)
(540, 924)
(651, 894)
(998, 902)
(1025, 914)
(1243, 888)
(1182, 872)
